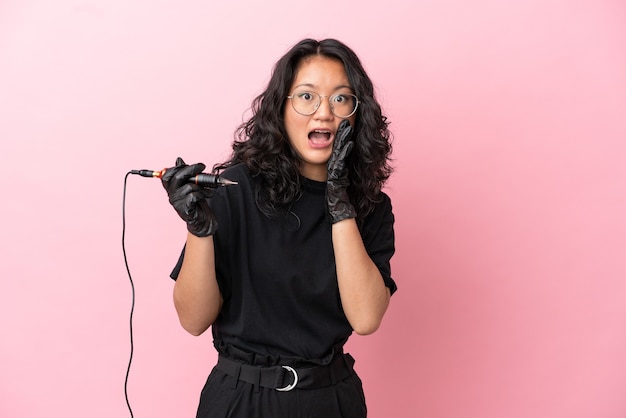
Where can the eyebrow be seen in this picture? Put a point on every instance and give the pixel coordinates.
(313, 86)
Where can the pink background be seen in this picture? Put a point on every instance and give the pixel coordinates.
(510, 197)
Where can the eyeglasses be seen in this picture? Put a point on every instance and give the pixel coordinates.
(343, 105)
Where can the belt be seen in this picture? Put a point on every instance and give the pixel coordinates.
(286, 378)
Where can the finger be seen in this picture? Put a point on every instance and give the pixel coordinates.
(189, 171)
(198, 168)
(169, 173)
(343, 133)
(180, 193)
(344, 124)
(345, 151)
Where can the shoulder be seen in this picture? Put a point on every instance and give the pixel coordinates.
(381, 215)
(239, 173)
(384, 200)
(236, 172)
(383, 205)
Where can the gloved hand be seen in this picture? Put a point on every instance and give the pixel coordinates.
(337, 200)
(190, 200)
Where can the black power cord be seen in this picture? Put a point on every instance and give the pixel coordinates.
(202, 179)
(132, 286)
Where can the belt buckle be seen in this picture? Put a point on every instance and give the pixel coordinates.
(295, 380)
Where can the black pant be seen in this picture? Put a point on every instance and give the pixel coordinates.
(224, 396)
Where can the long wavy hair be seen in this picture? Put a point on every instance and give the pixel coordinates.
(262, 144)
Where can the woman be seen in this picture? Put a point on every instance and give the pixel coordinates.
(291, 260)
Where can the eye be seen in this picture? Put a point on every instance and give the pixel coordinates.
(340, 98)
(305, 96)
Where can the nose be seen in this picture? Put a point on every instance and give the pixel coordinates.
(323, 112)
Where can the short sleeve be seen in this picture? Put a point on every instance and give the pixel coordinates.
(379, 239)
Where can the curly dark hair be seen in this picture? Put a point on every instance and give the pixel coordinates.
(262, 143)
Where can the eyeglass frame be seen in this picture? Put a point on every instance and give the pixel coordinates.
(356, 106)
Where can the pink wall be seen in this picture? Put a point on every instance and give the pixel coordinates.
(510, 196)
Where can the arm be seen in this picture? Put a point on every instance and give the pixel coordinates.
(364, 295)
(197, 296)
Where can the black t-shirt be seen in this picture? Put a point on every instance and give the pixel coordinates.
(277, 275)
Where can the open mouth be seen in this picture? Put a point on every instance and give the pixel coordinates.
(320, 136)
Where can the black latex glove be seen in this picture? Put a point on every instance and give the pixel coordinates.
(190, 200)
(337, 200)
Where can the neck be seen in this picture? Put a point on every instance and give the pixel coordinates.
(317, 173)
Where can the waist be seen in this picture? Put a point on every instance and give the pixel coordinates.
(289, 377)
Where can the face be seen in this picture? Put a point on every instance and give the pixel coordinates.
(312, 136)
